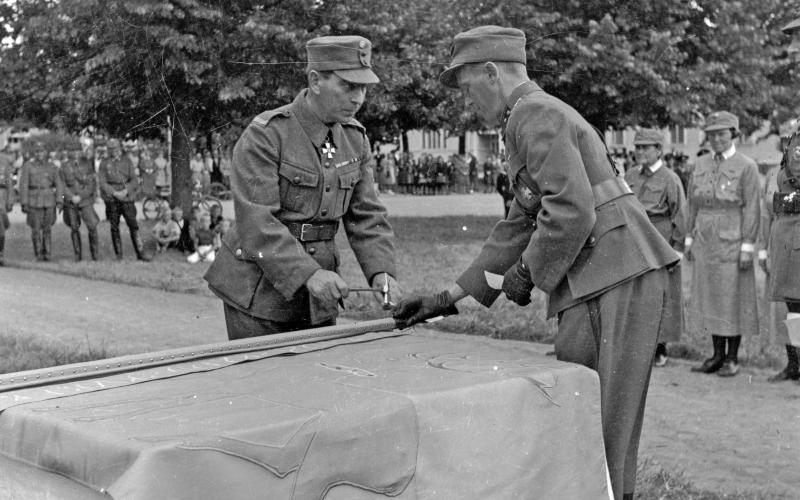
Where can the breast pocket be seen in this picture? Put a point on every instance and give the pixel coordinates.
(728, 186)
(653, 192)
(348, 178)
(298, 188)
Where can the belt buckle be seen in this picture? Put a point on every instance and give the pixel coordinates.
(303, 231)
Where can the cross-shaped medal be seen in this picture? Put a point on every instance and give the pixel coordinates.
(328, 149)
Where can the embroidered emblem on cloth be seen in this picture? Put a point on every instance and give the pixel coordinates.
(527, 193)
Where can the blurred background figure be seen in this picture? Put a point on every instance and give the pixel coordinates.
(40, 194)
(80, 185)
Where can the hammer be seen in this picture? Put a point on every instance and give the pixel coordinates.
(385, 292)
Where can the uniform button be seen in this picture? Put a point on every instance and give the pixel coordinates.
(324, 211)
(312, 250)
(297, 180)
(238, 252)
(327, 188)
(353, 182)
(592, 240)
(327, 164)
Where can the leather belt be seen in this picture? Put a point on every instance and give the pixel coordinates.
(610, 189)
(786, 203)
(313, 232)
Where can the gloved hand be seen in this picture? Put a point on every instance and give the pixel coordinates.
(517, 284)
(418, 308)
(745, 261)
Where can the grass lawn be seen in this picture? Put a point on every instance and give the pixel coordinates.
(431, 253)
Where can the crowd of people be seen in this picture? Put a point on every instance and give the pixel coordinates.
(58, 173)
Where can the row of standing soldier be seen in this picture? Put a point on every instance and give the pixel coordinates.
(45, 190)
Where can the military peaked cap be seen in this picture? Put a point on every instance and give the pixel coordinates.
(720, 120)
(648, 136)
(350, 57)
(482, 44)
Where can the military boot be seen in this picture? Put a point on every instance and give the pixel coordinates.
(792, 370)
(36, 238)
(46, 246)
(93, 244)
(116, 241)
(715, 362)
(76, 245)
(138, 246)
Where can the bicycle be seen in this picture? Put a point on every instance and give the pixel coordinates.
(154, 203)
(219, 191)
(204, 201)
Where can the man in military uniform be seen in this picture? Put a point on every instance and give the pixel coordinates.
(40, 194)
(6, 198)
(119, 186)
(80, 183)
(660, 191)
(297, 171)
(574, 229)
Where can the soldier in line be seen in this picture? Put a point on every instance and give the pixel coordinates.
(660, 191)
(119, 186)
(574, 229)
(40, 194)
(297, 172)
(6, 198)
(80, 184)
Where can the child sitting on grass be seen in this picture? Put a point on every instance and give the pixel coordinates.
(203, 241)
(166, 231)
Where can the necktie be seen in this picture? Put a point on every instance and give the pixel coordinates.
(718, 157)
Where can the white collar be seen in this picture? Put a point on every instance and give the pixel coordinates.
(729, 152)
(654, 167)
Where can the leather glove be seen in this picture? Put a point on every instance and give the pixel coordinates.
(745, 261)
(517, 284)
(418, 308)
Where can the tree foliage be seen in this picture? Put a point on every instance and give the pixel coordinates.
(124, 65)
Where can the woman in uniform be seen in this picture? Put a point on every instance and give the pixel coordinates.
(781, 258)
(723, 222)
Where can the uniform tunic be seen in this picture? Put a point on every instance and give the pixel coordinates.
(724, 211)
(590, 246)
(40, 190)
(283, 173)
(776, 315)
(79, 179)
(661, 194)
(784, 236)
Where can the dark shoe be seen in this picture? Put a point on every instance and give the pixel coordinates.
(729, 369)
(710, 365)
(785, 374)
(138, 246)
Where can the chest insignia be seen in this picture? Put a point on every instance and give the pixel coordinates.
(328, 149)
(796, 153)
(346, 162)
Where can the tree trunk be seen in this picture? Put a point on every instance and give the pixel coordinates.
(181, 174)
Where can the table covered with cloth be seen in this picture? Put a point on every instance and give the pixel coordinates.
(419, 416)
